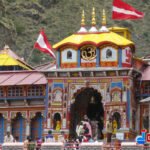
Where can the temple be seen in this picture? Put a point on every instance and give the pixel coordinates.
(96, 74)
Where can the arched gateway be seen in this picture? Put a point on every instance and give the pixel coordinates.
(87, 102)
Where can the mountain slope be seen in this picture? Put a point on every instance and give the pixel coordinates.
(21, 21)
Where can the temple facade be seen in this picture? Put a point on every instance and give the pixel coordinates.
(95, 75)
(22, 97)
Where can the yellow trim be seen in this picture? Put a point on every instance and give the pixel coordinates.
(6, 60)
(118, 28)
(96, 38)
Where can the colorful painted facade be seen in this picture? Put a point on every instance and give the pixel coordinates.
(94, 64)
(95, 75)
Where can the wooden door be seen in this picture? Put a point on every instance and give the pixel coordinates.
(37, 126)
(1, 129)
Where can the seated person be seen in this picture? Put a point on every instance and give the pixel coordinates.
(8, 138)
(49, 137)
(61, 137)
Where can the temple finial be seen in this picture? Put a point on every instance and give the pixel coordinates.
(104, 18)
(82, 28)
(6, 47)
(83, 19)
(103, 27)
(93, 28)
(93, 17)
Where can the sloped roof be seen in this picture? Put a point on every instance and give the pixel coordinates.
(96, 39)
(9, 58)
(21, 78)
(145, 100)
(46, 67)
(146, 74)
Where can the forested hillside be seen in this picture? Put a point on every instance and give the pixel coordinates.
(21, 20)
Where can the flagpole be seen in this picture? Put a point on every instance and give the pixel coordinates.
(53, 60)
(29, 55)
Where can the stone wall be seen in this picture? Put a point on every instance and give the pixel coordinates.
(83, 146)
(13, 146)
(52, 146)
(91, 146)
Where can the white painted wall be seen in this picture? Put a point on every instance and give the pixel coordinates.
(64, 56)
(114, 54)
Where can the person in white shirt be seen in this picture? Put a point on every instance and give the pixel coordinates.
(79, 129)
(61, 137)
(8, 138)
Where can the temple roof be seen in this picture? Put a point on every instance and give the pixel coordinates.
(146, 74)
(96, 39)
(21, 78)
(145, 100)
(9, 58)
(47, 66)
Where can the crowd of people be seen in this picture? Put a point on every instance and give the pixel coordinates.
(84, 133)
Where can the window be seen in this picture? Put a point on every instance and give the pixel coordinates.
(108, 53)
(69, 55)
(35, 91)
(15, 91)
(147, 88)
(1, 92)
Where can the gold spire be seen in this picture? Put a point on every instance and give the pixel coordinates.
(104, 18)
(93, 17)
(83, 19)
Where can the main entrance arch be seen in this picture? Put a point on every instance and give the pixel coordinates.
(87, 102)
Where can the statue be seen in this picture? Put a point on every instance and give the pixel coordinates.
(92, 101)
(58, 96)
(115, 126)
(116, 96)
(58, 125)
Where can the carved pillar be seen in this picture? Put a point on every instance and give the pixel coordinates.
(9, 127)
(79, 58)
(58, 59)
(97, 57)
(120, 57)
(28, 126)
(49, 123)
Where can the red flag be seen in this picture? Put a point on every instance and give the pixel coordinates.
(43, 45)
(123, 11)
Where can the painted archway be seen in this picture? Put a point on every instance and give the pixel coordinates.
(2, 128)
(87, 102)
(57, 121)
(18, 127)
(37, 126)
(116, 122)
